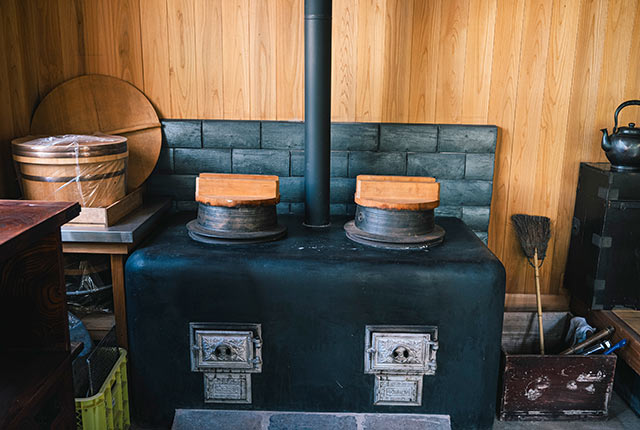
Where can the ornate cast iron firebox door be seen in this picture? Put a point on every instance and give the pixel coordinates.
(227, 354)
(399, 356)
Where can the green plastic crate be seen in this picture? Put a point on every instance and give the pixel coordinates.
(109, 409)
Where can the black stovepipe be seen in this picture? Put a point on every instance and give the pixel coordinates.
(317, 104)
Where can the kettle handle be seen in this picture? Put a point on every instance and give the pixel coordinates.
(622, 106)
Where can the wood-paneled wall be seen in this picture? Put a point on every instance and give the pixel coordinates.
(549, 73)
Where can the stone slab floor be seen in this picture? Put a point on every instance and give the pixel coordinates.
(621, 418)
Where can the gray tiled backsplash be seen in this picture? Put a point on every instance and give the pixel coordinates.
(461, 157)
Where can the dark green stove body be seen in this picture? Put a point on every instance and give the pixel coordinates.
(313, 294)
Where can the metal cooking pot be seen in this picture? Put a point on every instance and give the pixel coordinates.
(623, 146)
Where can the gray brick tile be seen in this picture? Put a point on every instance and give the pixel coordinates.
(202, 160)
(354, 136)
(339, 162)
(178, 187)
(454, 211)
(480, 166)
(297, 208)
(338, 209)
(261, 161)
(467, 138)
(342, 190)
(465, 192)
(231, 134)
(283, 208)
(165, 161)
(291, 189)
(282, 135)
(287, 421)
(377, 163)
(440, 166)
(408, 137)
(334, 209)
(182, 133)
(476, 217)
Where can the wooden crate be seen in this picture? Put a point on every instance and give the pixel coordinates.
(550, 387)
(111, 214)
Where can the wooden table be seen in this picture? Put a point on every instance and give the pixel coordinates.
(116, 241)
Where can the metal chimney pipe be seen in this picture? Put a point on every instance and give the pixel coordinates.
(317, 106)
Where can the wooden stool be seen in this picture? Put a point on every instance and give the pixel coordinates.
(396, 212)
(236, 209)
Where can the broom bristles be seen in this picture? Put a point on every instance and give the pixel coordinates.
(533, 232)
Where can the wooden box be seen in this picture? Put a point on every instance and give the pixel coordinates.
(550, 387)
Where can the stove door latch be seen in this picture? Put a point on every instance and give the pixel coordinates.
(399, 357)
(227, 354)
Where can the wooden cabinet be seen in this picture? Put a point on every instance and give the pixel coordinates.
(36, 386)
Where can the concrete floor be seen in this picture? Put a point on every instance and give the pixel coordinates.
(621, 417)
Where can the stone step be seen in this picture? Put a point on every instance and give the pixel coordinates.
(198, 419)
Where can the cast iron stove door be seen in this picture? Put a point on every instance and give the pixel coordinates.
(399, 357)
(227, 354)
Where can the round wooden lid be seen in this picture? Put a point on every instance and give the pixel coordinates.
(98, 103)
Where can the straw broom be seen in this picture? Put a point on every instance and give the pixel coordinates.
(534, 233)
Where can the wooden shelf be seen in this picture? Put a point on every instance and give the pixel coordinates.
(28, 378)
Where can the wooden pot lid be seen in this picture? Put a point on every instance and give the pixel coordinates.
(231, 190)
(413, 193)
(98, 103)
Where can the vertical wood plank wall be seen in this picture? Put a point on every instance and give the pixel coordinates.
(549, 73)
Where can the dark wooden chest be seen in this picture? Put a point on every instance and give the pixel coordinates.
(603, 266)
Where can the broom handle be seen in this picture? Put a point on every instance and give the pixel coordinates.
(539, 300)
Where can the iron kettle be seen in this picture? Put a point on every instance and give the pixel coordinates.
(622, 148)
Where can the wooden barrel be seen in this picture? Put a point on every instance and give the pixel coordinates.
(90, 170)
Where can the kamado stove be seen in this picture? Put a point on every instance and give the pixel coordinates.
(396, 311)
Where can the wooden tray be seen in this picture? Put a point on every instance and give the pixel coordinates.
(111, 214)
(397, 192)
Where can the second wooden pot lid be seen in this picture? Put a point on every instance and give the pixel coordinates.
(98, 103)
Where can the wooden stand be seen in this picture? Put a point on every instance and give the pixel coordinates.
(36, 385)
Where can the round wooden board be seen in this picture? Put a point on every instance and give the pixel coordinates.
(98, 103)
